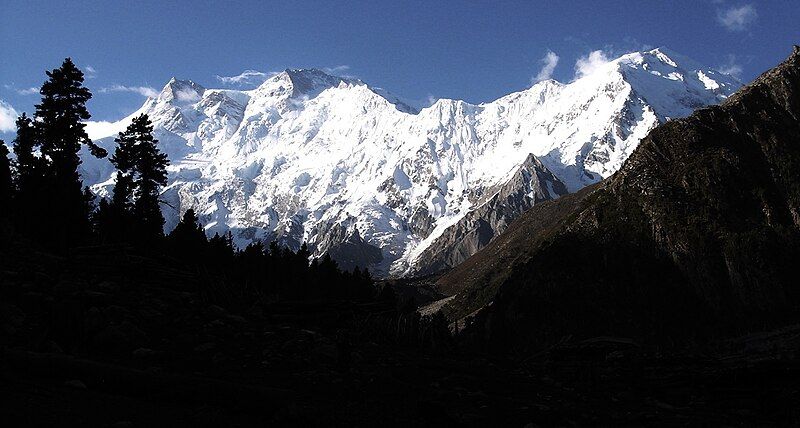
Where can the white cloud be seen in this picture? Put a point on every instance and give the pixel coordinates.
(731, 66)
(428, 101)
(186, 95)
(247, 77)
(8, 117)
(24, 91)
(588, 64)
(91, 72)
(145, 91)
(99, 129)
(337, 69)
(549, 62)
(28, 91)
(737, 18)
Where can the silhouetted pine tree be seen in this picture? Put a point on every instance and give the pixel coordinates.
(123, 160)
(220, 252)
(300, 275)
(303, 254)
(6, 185)
(104, 222)
(188, 240)
(114, 219)
(150, 166)
(328, 278)
(28, 177)
(60, 134)
(133, 214)
(252, 267)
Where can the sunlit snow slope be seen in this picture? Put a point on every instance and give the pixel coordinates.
(312, 157)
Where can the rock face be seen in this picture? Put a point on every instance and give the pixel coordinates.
(696, 236)
(351, 170)
(531, 183)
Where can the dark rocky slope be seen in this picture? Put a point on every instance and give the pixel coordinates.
(698, 235)
(474, 282)
(531, 184)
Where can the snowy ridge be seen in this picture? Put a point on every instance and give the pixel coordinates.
(356, 172)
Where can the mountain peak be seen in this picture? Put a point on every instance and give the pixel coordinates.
(181, 91)
(310, 73)
(300, 82)
(547, 85)
(666, 72)
(310, 82)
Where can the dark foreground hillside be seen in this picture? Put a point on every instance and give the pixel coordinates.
(696, 238)
(109, 337)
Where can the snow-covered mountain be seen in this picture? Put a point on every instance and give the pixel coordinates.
(355, 172)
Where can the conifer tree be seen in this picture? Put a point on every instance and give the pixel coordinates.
(60, 134)
(328, 276)
(114, 219)
(150, 166)
(133, 215)
(6, 186)
(123, 160)
(105, 222)
(188, 239)
(28, 176)
(221, 247)
(303, 253)
(220, 252)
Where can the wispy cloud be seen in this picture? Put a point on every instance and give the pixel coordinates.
(22, 91)
(97, 129)
(8, 117)
(549, 63)
(145, 91)
(28, 91)
(731, 66)
(737, 18)
(426, 102)
(91, 72)
(588, 64)
(337, 70)
(186, 95)
(246, 78)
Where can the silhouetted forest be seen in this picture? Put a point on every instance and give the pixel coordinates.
(45, 202)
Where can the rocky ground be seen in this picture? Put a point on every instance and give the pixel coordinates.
(106, 337)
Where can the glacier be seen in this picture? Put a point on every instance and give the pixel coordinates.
(357, 173)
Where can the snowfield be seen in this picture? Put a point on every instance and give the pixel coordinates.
(354, 171)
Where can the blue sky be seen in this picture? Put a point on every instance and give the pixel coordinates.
(471, 50)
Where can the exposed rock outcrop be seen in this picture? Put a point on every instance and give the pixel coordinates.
(530, 184)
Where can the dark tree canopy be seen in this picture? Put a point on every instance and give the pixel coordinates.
(6, 186)
(29, 175)
(59, 136)
(28, 165)
(188, 239)
(150, 167)
(134, 214)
